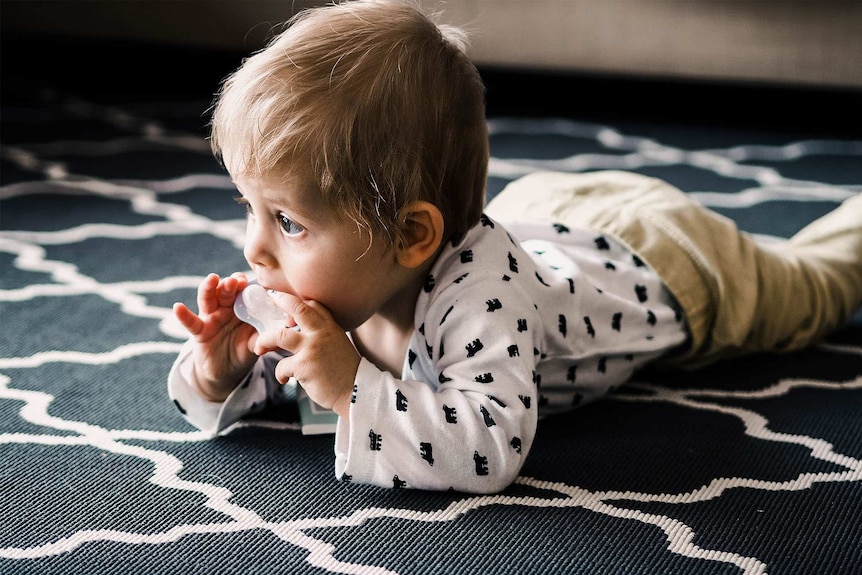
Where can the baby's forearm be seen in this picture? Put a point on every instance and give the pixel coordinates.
(212, 414)
(402, 433)
(216, 391)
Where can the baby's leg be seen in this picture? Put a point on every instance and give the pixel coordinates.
(739, 296)
(825, 259)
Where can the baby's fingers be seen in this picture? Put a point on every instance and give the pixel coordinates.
(284, 370)
(227, 290)
(308, 315)
(208, 295)
(286, 339)
(188, 318)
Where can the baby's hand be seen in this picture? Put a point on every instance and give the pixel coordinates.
(223, 344)
(323, 358)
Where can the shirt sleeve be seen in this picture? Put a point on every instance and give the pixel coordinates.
(256, 391)
(469, 418)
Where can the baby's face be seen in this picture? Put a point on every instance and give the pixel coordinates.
(294, 244)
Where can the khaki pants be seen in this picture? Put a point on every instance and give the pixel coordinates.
(738, 295)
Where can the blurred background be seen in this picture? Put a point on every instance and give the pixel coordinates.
(806, 42)
(766, 61)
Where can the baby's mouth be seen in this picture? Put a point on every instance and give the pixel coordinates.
(274, 292)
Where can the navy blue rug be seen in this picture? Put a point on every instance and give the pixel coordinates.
(111, 209)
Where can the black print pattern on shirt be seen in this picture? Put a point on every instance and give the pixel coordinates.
(561, 229)
(610, 266)
(466, 256)
(450, 413)
(616, 321)
(541, 281)
(400, 401)
(481, 463)
(443, 379)
(641, 292)
(516, 444)
(571, 285)
(650, 317)
(484, 378)
(572, 373)
(590, 330)
(525, 399)
(426, 452)
(602, 243)
(429, 283)
(497, 401)
(486, 415)
(561, 324)
(411, 357)
(513, 350)
(522, 325)
(513, 263)
(493, 305)
(397, 483)
(486, 221)
(474, 347)
(375, 442)
(460, 278)
(445, 315)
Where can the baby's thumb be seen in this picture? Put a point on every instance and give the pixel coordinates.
(287, 303)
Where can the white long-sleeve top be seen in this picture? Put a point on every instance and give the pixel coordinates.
(513, 324)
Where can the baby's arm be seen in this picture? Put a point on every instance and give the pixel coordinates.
(470, 422)
(402, 434)
(221, 344)
(254, 392)
(212, 381)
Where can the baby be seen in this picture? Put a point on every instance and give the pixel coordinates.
(441, 330)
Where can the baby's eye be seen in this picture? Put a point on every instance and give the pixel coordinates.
(290, 227)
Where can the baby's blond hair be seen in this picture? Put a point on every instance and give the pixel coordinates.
(373, 103)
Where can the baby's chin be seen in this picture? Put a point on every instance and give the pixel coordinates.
(348, 322)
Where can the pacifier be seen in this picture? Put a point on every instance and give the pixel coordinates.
(254, 306)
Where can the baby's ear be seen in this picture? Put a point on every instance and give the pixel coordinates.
(422, 230)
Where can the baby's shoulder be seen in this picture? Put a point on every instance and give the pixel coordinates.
(487, 266)
(483, 252)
